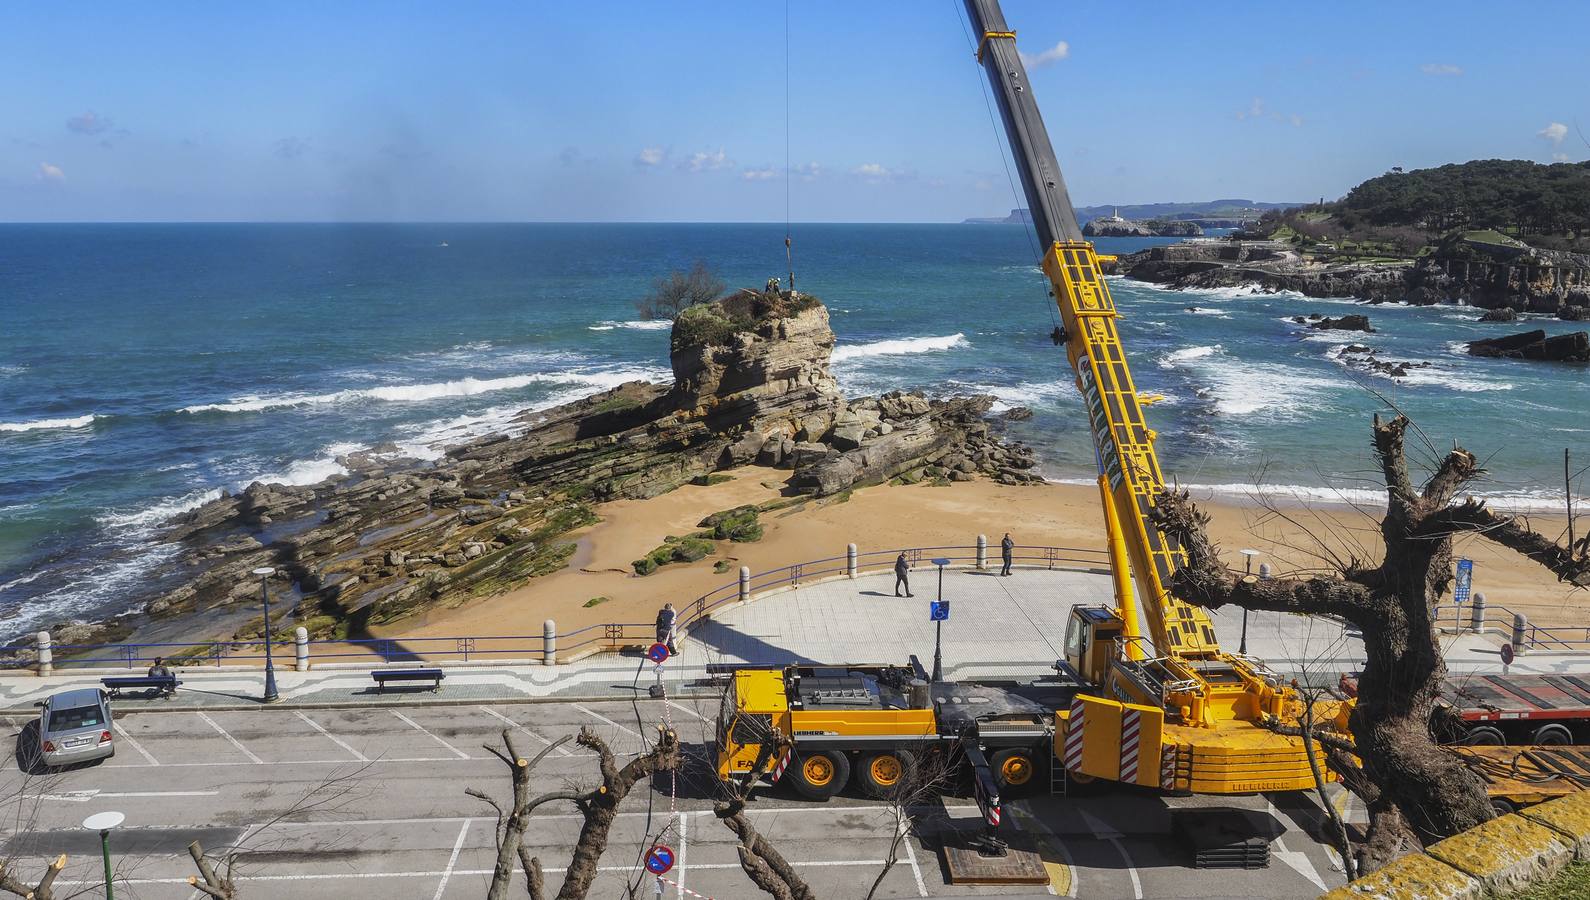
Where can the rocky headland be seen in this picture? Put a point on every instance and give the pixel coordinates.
(1115, 226)
(751, 384)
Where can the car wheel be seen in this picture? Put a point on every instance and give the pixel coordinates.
(821, 774)
(1016, 771)
(1552, 735)
(1485, 736)
(881, 775)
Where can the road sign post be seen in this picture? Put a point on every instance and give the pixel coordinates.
(1465, 581)
(938, 611)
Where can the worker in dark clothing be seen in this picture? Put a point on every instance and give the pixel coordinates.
(665, 627)
(902, 575)
(1007, 552)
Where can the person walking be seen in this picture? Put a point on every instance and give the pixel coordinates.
(902, 575)
(1007, 552)
(666, 617)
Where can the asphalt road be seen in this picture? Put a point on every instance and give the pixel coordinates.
(370, 803)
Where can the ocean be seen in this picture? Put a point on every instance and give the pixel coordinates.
(145, 368)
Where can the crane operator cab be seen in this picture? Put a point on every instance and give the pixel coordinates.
(1091, 636)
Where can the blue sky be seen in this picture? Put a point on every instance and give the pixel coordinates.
(675, 111)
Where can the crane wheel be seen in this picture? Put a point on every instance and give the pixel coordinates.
(885, 774)
(1552, 735)
(820, 774)
(1016, 769)
(1485, 736)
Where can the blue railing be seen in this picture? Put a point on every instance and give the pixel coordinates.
(603, 636)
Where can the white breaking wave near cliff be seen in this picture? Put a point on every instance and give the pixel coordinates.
(900, 347)
(633, 325)
(41, 424)
(412, 393)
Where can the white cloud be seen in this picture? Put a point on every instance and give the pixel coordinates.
(650, 156)
(1296, 120)
(808, 171)
(1255, 110)
(872, 170)
(1554, 132)
(291, 147)
(1046, 57)
(702, 161)
(1559, 157)
(49, 172)
(763, 174)
(88, 123)
(1440, 69)
(1258, 109)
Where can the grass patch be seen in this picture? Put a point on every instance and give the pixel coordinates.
(1571, 883)
(616, 404)
(739, 524)
(721, 566)
(712, 479)
(680, 550)
(595, 601)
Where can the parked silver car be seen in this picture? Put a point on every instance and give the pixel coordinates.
(74, 727)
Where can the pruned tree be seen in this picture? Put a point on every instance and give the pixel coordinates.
(925, 778)
(598, 807)
(1414, 790)
(44, 889)
(675, 292)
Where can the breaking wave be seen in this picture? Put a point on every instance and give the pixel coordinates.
(41, 424)
(411, 393)
(633, 325)
(900, 347)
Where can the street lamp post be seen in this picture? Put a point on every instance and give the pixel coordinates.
(265, 572)
(103, 823)
(1247, 574)
(938, 627)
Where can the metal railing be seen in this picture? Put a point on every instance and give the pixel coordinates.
(608, 636)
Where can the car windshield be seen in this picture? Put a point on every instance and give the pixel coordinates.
(75, 718)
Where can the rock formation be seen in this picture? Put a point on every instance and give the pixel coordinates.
(751, 384)
(1571, 347)
(1115, 226)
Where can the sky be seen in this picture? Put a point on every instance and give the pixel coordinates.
(676, 111)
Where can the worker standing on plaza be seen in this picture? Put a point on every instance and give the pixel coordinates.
(1007, 551)
(902, 575)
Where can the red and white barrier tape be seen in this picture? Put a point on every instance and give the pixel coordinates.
(683, 890)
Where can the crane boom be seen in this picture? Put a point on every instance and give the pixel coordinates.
(1123, 440)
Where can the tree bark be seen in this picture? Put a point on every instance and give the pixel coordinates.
(600, 807)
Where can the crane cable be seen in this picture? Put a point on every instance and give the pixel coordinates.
(789, 258)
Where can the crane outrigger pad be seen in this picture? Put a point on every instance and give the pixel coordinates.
(966, 865)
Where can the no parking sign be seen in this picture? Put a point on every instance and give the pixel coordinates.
(659, 859)
(657, 653)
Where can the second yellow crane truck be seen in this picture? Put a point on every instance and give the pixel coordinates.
(1162, 708)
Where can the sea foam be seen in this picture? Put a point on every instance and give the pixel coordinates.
(900, 347)
(42, 424)
(413, 393)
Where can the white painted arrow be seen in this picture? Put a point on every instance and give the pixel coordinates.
(1104, 832)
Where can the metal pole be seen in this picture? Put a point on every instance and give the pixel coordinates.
(271, 695)
(1247, 574)
(938, 636)
(104, 847)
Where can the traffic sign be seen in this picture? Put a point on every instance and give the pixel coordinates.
(657, 653)
(939, 611)
(1465, 580)
(659, 859)
(1507, 654)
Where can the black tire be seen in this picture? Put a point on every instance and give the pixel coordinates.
(1503, 807)
(820, 774)
(1485, 736)
(882, 774)
(1552, 735)
(1017, 771)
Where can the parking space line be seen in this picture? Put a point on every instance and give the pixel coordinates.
(910, 855)
(421, 729)
(447, 873)
(688, 710)
(339, 741)
(235, 742)
(135, 745)
(680, 872)
(492, 712)
(596, 715)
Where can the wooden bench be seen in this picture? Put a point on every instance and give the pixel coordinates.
(160, 684)
(382, 676)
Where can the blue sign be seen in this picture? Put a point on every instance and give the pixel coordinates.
(657, 653)
(1465, 580)
(659, 859)
(939, 611)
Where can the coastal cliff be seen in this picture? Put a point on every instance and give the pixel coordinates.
(751, 384)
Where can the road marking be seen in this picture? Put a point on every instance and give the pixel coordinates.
(910, 855)
(339, 741)
(596, 715)
(235, 742)
(679, 873)
(1062, 876)
(458, 847)
(461, 754)
(688, 710)
(561, 751)
(92, 794)
(136, 746)
(1104, 832)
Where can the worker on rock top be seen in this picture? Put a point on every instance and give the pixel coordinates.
(902, 575)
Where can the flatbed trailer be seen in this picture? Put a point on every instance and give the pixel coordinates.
(1517, 777)
(1497, 710)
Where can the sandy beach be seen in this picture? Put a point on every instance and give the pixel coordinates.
(895, 516)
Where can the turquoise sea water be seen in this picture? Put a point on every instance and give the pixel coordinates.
(143, 368)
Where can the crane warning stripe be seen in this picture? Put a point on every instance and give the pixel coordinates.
(1131, 743)
(1167, 768)
(1073, 756)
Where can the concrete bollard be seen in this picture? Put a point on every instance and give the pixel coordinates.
(549, 643)
(982, 552)
(301, 649)
(745, 583)
(1477, 615)
(1520, 630)
(46, 664)
(850, 560)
